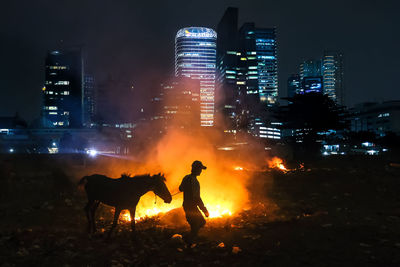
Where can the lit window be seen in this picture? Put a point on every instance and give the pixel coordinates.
(62, 83)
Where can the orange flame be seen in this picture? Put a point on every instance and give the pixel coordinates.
(276, 162)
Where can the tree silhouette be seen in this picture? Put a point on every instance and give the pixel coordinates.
(309, 116)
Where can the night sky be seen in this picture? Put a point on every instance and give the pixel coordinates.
(134, 40)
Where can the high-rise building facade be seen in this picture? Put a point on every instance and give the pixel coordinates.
(63, 90)
(89, 100)
(259, 58)
(310, 68)
(180, 100)
(195, 57)
(227, 99)
(332, 70)
(293, 85)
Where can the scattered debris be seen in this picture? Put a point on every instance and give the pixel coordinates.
(22, 252)
(236, 250)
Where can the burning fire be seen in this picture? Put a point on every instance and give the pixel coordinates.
(216, 211)
(276, 162)
(223, 183)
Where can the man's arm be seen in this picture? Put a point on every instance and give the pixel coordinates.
(182, 186)
(200, 202)
(202, 207)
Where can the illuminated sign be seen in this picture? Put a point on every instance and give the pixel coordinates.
(198, 32)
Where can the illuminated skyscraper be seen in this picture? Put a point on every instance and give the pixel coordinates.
(227, 64)
(63, 90)
(181, 103)
(310, 68)
(195, 57)
(89, 100)
(332, 70)
(259, 56)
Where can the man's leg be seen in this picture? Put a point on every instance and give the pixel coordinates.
(197, 221)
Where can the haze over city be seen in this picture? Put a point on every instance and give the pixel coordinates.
(199, 133)
(135, 41)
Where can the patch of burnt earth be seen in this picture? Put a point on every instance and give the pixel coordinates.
(326, 215)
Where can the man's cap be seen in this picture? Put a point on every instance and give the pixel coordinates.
(198, 165)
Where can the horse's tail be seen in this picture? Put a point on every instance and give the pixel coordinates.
(82, 182)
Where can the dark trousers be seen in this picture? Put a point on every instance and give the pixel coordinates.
(194, 218)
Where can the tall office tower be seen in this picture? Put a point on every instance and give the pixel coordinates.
(180, 100)
(227, 59)
(293, 85)
(311, 78)
(332, 70)
(195, 57)
(310, 68)
(259, 55)
(89, 100)
(257, 77)
(63, 90)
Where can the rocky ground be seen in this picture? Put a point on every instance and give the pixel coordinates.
(337, 212)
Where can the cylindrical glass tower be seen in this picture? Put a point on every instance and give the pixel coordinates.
(195, 57)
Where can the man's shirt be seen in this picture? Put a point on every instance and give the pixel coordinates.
(190, 187)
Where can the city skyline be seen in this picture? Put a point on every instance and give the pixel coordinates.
(112, 43)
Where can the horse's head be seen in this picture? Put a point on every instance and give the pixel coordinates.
(160, 188)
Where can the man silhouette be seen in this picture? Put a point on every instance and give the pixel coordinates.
(190, 187)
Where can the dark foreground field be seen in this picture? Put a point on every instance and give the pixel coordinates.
(340, 212)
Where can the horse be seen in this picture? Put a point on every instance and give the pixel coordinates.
(122, 193)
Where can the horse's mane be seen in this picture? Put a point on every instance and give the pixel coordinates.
(128, 176)
(139, 176)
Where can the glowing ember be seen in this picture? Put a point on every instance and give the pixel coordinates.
(125, 216)
(216, 211)
(276, 162)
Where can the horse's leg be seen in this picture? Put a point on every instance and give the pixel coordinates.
(93, 212)
(115, 222)
(132, 212)
(87, 211)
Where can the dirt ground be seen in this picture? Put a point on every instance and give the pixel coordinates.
(337, 212)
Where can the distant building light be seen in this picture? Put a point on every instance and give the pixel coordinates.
(92, 152)
(372, 152)
(367, 144)
(383, 115)
(11, 150)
